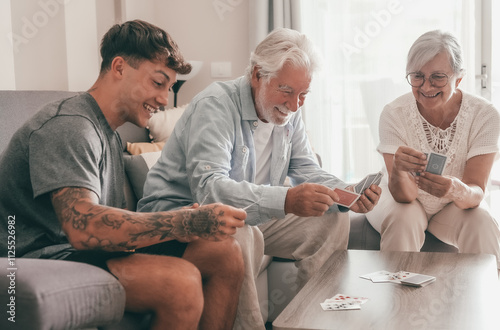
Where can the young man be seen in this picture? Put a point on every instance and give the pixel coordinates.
(63, 170)
(236, 143)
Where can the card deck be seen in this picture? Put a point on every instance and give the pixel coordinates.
(347, 198)
(418, 280)
(436, 163)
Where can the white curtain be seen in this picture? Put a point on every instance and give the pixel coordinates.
(266, 15)
(364, 44)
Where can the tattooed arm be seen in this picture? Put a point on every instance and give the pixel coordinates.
(89, 225)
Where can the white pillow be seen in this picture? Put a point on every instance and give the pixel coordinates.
(162, 123)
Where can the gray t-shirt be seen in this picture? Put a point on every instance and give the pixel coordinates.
(68, 143)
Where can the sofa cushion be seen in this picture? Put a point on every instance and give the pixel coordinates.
(162, 123)
(137, 167)
(60, 294)
(138, 148)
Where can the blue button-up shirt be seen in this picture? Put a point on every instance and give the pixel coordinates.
(210, 157)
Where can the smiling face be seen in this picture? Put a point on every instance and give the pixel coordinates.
(144, 90)
(277, 99)
(430, 97)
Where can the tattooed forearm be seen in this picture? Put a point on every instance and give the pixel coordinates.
(89, 225)
(94, 243)
(110, 222)
(66, 204)
(183, 224)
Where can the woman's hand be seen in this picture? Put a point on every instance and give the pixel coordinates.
(407, 159)
(434, 184)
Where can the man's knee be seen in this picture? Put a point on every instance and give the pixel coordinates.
(231, 257)
(165, 281)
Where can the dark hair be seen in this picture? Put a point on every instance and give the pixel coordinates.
(137, 41)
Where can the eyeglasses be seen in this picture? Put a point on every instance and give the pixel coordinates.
(416, 79)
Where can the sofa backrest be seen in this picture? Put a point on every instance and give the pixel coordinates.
(16, 107)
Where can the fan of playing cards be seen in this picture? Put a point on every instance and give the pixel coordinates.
(347, 198)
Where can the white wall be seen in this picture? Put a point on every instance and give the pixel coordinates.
(56, 42)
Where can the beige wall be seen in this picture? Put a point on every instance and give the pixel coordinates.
(205, 30)
(55, 44)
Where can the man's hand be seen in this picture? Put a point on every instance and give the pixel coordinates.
(212, 222)
(309, 200)
(367, 200)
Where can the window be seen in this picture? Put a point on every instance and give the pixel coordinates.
(364, 45)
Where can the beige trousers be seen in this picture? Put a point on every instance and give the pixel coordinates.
(309, 241)
(402, 226)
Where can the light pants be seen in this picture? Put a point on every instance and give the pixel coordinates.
(402, 226)
(309, 241)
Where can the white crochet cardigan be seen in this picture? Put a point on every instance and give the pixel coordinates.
(474, 132)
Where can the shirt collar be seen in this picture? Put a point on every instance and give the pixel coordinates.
(248, 111)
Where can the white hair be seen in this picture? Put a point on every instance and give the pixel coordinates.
(430, 44)
(283, 46)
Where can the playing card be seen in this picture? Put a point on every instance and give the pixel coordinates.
(368, 181)
(347, 198)
(339, 297)
(400, 276)
(383, 274)
(343, 302)
(436, 163)
(338, 306)
(359, 187)
(378, 178)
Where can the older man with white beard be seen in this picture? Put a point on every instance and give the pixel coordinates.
(236, 144)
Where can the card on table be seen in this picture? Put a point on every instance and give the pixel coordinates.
(436, 163)
(384, 276)
(338, 306)
(378, 274)
(347, 198)
(343, 302)
(339, 297)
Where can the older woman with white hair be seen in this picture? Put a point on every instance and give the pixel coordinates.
(437, 117)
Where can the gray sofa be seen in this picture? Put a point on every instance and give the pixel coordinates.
(54, 294)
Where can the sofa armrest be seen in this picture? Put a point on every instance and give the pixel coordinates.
(58, 294)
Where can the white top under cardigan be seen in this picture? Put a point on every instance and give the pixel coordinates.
(474, 132)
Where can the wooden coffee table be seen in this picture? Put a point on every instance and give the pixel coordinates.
(465, 294)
